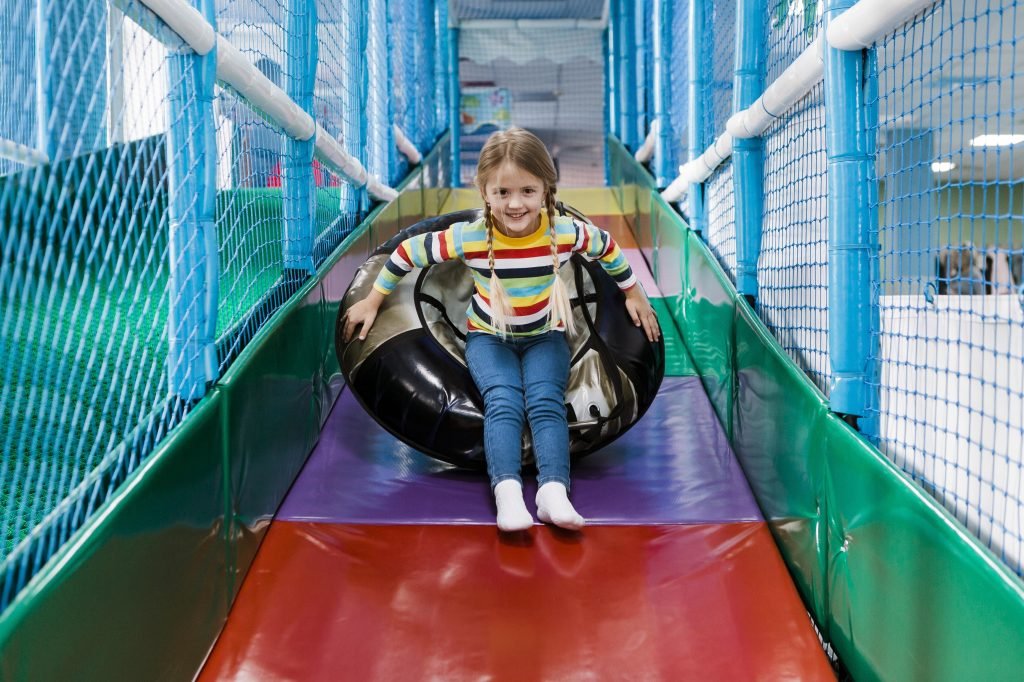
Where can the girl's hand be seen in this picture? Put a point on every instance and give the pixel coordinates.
(641, 312)
(362, 313)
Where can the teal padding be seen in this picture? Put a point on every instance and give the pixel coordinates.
(677, 357)
(141, 591)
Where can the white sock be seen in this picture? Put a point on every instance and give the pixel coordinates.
(553, 506)
(512, 512)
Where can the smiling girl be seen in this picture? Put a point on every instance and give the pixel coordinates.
(516, 349)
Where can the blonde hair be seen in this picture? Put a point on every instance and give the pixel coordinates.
(524, 150)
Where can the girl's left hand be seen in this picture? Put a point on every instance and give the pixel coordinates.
(641, 312)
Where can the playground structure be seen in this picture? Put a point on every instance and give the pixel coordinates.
(167, 330)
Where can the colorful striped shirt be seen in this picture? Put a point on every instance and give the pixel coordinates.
(524, 265)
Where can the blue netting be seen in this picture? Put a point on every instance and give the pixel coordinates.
(951, 336)
(250, 220)
(18, 97)
(338, 105)
(83, 333)
(792, 271)
(677, 88)
(721, 229)
(719, 66)
(139, 261)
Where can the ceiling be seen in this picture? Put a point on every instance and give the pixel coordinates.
(468, 10)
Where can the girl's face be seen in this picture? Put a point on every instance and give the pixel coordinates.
(516, 197)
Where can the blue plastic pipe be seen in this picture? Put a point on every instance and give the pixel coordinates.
(748, 154)
(301, 48)
(629, 91)
(44, 141)
(697, 92)
(454, 106)
(608, 104)
(353, 137)
(612, 76)
(442, 98)
(664, 165)
(850, 151)
(192, 196)
(639, 50)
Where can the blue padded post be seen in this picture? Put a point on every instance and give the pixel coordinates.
(354, 200)
(455, 106)
(44, 141)
(377, 86)
(297, 172)
(612, 75)
(639, 50)
(606, 48)
(442, 99)
(192, 193)
(850, 150)
(629, 90)
(664, 172)
(696, 94)
(748, 154)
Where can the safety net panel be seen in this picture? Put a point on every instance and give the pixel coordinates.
(153, 215)
(950, 340)
(720, 234)
(792, 271)
(84, 278)
(677, 97)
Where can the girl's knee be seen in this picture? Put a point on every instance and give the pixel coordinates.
(503, 401)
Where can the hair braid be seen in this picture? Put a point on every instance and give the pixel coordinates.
(499, 299)
(560, 309)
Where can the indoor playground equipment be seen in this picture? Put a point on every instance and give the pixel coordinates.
(822, 199)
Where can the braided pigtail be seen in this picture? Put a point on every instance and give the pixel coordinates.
(560, 306)
(499, 298)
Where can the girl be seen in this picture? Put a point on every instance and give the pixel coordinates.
(516, 349)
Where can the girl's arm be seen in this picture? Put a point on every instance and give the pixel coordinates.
(641, 312)
(362, 313)
(415, 252)
(596, 244)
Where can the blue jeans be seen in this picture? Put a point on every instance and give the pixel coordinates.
(520, 378)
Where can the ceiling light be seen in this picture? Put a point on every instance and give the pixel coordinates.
(942, 166)
(996, 140)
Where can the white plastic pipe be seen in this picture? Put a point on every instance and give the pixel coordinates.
(406, 146)
(676, 190)
(330, 151)
(646, 151)
(868, 20)
(29, 156)
(700, 169)
(187, 22)
(238, 72)
(790, 87)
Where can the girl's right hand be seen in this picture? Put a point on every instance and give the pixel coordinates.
(362, 313)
